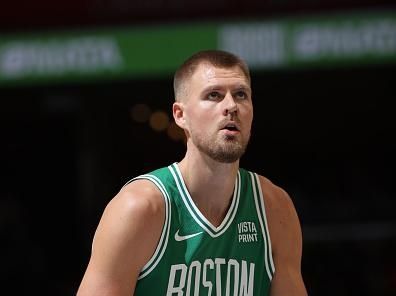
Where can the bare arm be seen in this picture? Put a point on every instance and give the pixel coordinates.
(286, 239)
(124, 241)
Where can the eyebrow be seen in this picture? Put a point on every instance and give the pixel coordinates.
(215, 87)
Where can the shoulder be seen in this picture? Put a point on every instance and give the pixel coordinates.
(133, 220)
(275, 197)
(141, 195)
(136, 199)
(283, 221)
(135, 204)
(125, 240)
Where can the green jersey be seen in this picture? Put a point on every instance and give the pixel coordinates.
(194, 257)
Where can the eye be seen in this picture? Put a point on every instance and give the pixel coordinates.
(240, 95)
(214, 95)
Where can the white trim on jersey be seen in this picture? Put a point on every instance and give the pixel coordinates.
(196, 213)
(260, 217)
(265, 223)
(163, 242)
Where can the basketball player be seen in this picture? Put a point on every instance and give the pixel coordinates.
(201, 226)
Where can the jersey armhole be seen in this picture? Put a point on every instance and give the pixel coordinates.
(163, 241)
(260, 208)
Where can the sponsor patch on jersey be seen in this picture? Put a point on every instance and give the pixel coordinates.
(247, 232)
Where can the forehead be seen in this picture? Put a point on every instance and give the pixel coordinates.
(207, 74)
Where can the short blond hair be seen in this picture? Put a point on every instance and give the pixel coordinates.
(217, 58)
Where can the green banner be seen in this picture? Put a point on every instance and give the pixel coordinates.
(74, 56)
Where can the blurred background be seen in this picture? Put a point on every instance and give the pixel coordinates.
(86, 93)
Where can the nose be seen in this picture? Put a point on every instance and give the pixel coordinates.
(230, 107)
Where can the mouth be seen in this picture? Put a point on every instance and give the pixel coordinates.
(232, 127)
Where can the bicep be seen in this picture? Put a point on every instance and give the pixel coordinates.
(287, 278)
(123, 243)
(110, 264)
(286, 237)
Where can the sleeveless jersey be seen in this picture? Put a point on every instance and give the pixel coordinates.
(193, 257)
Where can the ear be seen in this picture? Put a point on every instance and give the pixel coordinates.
(178, 114)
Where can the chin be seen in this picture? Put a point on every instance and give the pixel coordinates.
(228, 156)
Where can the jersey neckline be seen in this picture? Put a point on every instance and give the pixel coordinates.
(201, 220)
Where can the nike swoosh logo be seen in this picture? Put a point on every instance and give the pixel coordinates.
(180, 238)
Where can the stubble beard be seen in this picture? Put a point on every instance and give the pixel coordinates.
(227, 149)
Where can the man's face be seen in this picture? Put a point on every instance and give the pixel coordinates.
(218, 111)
